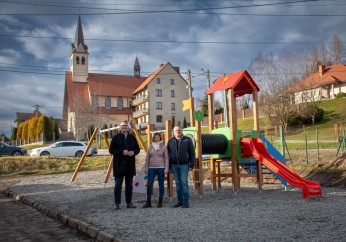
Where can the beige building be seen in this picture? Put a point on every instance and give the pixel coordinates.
(160, 98)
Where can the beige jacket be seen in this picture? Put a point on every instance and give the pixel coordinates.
(157, 158)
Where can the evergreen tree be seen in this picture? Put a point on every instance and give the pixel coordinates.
(14, 133)
(185, 123)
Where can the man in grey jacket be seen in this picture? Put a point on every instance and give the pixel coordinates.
(181, 153)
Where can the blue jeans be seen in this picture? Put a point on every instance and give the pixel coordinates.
(152, 172)
(181, 174)
(128, 189)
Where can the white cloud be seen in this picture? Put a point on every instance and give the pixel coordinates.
(9, 56)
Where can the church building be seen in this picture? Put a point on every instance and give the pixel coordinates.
(94, 99)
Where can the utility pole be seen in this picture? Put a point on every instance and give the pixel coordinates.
(210, 105)
(192, 109)
(36, 109)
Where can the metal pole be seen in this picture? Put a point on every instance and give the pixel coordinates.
(192, 116)
(306, 149)
(318, 147)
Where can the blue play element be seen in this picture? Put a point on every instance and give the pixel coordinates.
(276, 154)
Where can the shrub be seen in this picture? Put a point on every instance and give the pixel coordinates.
(340, 95)
(294, 119)
(319, 115)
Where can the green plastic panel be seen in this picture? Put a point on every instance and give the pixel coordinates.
(226, 132)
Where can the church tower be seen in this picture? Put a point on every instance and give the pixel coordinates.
(79, 61)
(137, 69)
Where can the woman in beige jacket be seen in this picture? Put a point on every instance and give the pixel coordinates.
(156, 164)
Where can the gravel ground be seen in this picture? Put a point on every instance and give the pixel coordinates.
(272, 214)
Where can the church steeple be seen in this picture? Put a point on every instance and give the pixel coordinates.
(79, 55)
(79, 38)
(137, 69)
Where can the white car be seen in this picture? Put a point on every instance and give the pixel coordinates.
(62, 148)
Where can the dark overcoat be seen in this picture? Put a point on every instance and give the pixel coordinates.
(123, 165)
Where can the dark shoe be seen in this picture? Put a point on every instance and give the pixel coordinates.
(185, 205)
(116, 207)
(147, 204)
(130, 205)
(159, 204)
(179, 204)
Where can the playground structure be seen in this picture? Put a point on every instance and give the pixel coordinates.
(252, 147)
(228, 144)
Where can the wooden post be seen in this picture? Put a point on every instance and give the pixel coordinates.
(83, 156)
(139, 138)
(110, 166)
(169, 175)
(255, 111)
(199, 179)
(192, 114)
(150, 128)
(256, 127)
(210, 112)
(212, 172)
(233, 127)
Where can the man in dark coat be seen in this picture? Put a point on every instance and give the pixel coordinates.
(181, 153)
(124, 147)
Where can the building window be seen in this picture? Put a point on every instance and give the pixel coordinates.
(158, 105)
(172, 106)
(120, 103)
(158, 92)
(158, 81)
(83, 60)
(172, 81)
(95, 102)
(172, 93)
(77, 60)
(159, 118)
(108, 103)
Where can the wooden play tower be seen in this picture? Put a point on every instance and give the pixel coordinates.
(236, 85)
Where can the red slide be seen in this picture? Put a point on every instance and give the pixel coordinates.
(256, 148)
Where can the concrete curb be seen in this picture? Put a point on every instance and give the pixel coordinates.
(76, 224)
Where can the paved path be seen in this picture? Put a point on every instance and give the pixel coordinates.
(20, 222)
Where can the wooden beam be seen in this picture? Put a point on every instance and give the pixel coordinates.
(83, 156)
(169, 175)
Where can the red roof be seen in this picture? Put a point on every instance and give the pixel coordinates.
(77, 93)
(113, 85)
(331, 74)
(241, 82)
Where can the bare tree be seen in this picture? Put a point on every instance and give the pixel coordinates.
(336, 50)
(324, 55)
(273, 76)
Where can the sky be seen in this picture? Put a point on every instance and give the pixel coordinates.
(221, 36)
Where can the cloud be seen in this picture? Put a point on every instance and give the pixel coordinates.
(9, 56)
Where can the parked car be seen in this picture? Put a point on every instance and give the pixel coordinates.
(62, 148)
(93, 149)
(6, 149)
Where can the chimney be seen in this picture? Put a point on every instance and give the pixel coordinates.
(177, 69)
(161, 65)
(321, 69)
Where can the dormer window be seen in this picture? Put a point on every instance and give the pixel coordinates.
(77, 60)
(83, 60)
